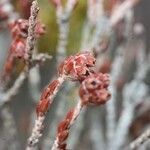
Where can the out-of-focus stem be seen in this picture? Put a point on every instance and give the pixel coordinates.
(10, 129)
(121, 10)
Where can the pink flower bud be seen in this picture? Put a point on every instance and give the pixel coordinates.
(42, 107)
(19, 28)
(77, 67)
(93, 89)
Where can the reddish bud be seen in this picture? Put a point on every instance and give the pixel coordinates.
(77, 67)
(18, 48)
(42, 107)
(49, 90)
(62, 136)
(93, 89)
(69, 115)
(63, 126)
(19, 28)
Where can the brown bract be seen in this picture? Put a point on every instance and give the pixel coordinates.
(94, 89)
(77, 67)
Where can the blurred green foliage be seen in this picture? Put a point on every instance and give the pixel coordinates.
(47, 15)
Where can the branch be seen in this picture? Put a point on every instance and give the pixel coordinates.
(30, 43)
(140, 140)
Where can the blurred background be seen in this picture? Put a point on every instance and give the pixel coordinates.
(118, 32)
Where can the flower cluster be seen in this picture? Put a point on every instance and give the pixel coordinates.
(19, 31)
(94, 89)
(77, 67)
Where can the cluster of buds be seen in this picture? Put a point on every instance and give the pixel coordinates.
(93, 91)
(77, 67)
(19, 31)
(74, 67)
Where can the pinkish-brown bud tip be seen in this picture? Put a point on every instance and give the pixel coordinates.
(77, 67)
(42, 107)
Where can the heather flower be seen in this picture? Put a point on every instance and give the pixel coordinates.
(19, 28)
(77, 67)
(93, 89)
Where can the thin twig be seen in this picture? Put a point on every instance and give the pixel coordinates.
(30, 43)
(6, 97)
(140, 140)
(121, 10)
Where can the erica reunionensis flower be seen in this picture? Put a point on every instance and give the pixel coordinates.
(77, 67)
(94, 89)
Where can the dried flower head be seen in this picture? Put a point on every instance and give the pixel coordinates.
(93, 89)
(77, 67)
